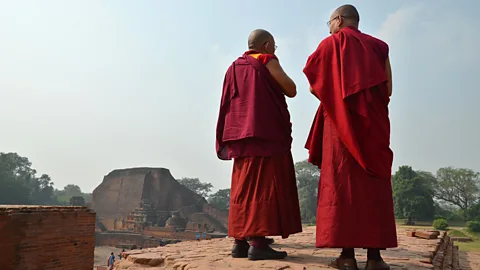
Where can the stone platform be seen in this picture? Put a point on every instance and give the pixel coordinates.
(412, 254)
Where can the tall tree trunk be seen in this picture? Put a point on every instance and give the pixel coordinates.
(410, 221)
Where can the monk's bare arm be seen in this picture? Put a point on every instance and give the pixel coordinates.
(277, 72)
(389, 76)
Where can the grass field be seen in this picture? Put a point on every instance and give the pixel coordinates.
(470, 246)
(457, 233)
(456, 229)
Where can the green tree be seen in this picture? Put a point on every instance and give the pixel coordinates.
(447, 211)
(42, 191)
(474, 212)
(412, 194)
(307, 182)
(13, 192)
(69, 191)
(220, 199)
(19, 184)
(459, 187)
(194, 184)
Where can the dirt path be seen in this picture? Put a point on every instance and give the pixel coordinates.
(469, 260)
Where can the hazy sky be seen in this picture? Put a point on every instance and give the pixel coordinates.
(90, 86)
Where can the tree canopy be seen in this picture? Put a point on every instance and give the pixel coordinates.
(220, 199)
(307, 183)
(412, 194)
(195, 185)
(458, 187)
(20, 184)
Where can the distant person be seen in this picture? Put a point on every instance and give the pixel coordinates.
(120, 255)
(350, 141)
(111, 261)
(254, 130)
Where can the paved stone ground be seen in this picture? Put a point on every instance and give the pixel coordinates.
(412, 254)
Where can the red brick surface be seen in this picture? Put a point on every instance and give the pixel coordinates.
(46, 237)
(411, 233)
(427, 234)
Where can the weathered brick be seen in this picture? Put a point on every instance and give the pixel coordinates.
(46, 237)
(411, 233)
(427, 234)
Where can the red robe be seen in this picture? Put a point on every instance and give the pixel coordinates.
(350, 142)
(254, 129)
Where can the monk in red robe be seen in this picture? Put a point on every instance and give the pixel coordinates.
(350, 141)
(254, 130)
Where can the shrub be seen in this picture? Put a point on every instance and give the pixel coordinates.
(440, 224)
(473, 226)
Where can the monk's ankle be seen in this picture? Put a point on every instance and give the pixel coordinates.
(374, 254)
(259, 242)
(348, 253)
(240, 241)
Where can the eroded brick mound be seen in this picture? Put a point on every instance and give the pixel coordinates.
(412, 254)
(46, 237)
(122, 191)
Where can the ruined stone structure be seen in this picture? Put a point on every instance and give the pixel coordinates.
(150, 202)
(46, 237)
(77, 201)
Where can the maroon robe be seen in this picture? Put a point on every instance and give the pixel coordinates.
(350, 142)
(254, 129)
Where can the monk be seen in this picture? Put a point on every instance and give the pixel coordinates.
(254, 130)
(350, 141)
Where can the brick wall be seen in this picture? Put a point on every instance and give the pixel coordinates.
(46, 237)
(114, 239)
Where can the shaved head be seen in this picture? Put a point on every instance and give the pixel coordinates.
(346, 15)
(348, 12)
(259, 40)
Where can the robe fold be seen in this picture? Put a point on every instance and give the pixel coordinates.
(254, 129)
(350, 141)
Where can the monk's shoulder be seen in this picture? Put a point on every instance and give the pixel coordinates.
(265, 58)
(326, 45)
(378, 44)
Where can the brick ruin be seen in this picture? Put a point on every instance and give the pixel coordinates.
(445, 255)
(146, 207)
(46, 237)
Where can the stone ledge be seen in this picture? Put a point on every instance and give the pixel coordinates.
(461, 239)
(41, 208)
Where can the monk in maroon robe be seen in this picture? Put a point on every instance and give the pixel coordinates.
(350, 141)
(254, 130)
